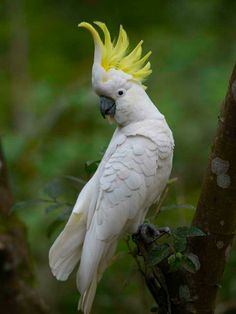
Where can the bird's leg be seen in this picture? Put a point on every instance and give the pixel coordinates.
(149, 232)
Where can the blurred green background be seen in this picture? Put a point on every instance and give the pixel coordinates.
(50, 123)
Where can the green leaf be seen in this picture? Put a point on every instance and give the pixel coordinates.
(25, 204)
(54, 226)
(91, 166)
(188, 232)
(53, 189)
(181, 234)
(52, 207)
(174, 261)
(179, 255)
(180, 243)
(191, 263)
(66, 213)
(196, 232)
(158, 254)
(76, 180)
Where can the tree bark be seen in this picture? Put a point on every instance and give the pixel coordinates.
(216, 216)
(16, 276)
(216, 210)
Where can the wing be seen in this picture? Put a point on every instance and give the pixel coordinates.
(124, 185)
(130, 178)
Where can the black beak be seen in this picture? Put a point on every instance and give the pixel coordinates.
(107, 106)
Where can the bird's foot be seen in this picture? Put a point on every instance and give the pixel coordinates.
(149, 233)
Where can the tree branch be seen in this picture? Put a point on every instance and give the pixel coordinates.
(215, 215)
(216, 210)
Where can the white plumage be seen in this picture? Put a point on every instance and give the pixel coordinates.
(129, 179)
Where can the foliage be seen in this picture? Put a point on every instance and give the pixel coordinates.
(174, 250)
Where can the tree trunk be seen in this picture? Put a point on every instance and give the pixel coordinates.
(16, 276)
(216, 216)
(216, 210)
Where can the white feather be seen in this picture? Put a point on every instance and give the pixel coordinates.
(130, 177)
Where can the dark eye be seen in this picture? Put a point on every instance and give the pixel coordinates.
(120, 92)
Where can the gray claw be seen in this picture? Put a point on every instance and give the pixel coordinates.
(149, 232)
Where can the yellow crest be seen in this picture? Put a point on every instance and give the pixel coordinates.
(116, 55)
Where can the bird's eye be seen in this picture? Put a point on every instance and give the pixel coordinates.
(120, 92)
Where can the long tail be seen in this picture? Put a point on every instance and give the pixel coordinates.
(66, 250)
(96, 256)
(86, 299)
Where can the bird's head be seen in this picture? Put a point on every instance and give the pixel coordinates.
(117, 74)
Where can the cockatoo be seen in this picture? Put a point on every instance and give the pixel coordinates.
(132, 174)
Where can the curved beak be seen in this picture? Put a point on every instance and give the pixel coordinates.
(107, 106)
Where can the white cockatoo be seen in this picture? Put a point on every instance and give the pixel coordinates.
(131, 175)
